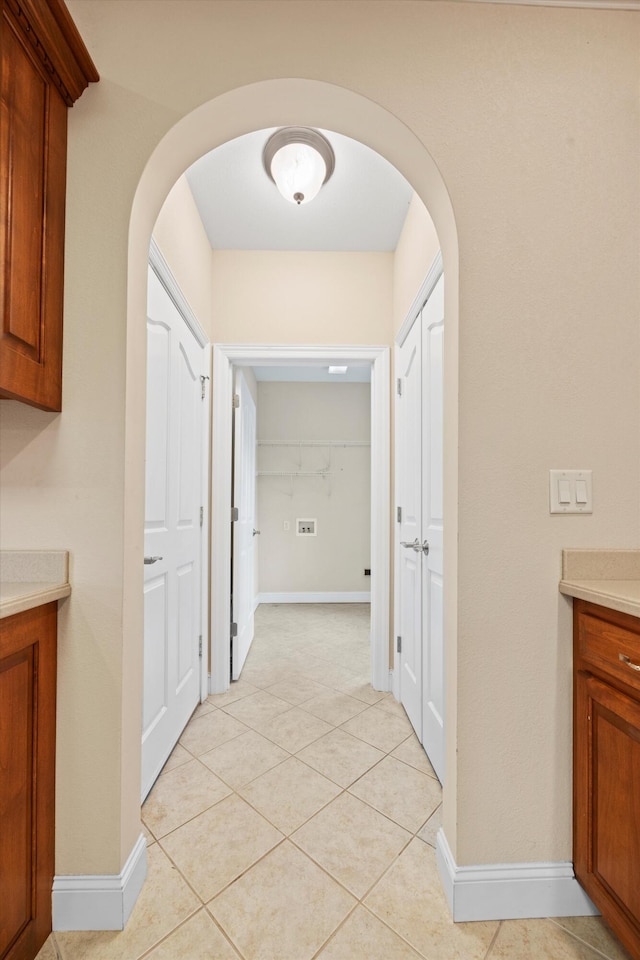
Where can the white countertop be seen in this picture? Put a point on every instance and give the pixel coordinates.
(30, 578)
(610, 578)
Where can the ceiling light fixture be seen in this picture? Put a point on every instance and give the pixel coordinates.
(299, 160)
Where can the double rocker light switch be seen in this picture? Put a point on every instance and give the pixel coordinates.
(570, 491)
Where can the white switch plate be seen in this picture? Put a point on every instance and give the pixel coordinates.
(560, 481)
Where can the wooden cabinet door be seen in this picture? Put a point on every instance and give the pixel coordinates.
(27, 762)
(33, 137)
(607, 804)
(44, 67)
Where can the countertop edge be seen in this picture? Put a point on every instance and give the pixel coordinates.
(38, 598)
(605, 594)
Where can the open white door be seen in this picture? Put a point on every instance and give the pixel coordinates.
(172, 534)
(409, 497)
(244, 524)
(432, 528)
(419, 495)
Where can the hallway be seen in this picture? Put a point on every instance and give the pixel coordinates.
(296, 819)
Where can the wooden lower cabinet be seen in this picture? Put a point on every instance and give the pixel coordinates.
(607, 765)
(27, 779)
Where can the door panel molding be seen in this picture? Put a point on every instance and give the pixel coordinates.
(225, 356)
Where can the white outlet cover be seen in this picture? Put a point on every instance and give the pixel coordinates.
(306, 527)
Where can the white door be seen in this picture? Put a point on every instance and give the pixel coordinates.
(172, 532)
(409, 497)
(419, 494)
(244, 525)
(432, 526)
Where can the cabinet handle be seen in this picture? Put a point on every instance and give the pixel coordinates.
(625, 659)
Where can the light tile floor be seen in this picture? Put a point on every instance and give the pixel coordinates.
(296, 819)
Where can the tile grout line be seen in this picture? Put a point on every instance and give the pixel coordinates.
(574, 936)
(493, 940)
(343, 790)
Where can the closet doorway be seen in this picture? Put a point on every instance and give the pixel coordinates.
(227, 360)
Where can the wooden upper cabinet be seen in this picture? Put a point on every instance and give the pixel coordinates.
(44, 68)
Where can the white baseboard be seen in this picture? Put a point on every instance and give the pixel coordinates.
(337, 596)
(94, 902)
(510, 891)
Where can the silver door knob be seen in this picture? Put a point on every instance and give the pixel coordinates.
(152, 559)
(255, 532)
(425, 547)
(415, 545)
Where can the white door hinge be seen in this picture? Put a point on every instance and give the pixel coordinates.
(203, 385)
(201, 516)
(200, 646)
(235, 514)
(399, 386)
(234, 629)
(399, 515)
(399, 644)
(236, 401)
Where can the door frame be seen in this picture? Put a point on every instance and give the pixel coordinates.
(426, 289)
(163, 272)
(225, 357)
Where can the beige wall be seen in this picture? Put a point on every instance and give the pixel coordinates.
(305, 298)
(335, 559)
(530, 118)
(185, 246)
(416, 251)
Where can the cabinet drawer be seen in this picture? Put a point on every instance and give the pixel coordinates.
(610, 648)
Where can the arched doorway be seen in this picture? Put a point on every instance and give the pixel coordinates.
(281, 103)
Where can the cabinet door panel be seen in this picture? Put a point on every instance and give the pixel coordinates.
(16, 761)
(24, 96)
(616, 770)
(27, 764)
(33, 132)
(607, 813)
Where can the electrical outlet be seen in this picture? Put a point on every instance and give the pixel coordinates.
(306, 527)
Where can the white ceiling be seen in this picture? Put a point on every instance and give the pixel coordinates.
(361, 208)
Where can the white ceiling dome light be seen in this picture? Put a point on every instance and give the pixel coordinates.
(299, 160)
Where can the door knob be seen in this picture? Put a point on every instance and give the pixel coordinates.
(425, 547)
(255, 532)
(152, 559)
(411, 546)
